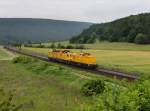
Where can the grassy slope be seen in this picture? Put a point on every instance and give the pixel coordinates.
(124, 56)
(38, 92)
(56, 88)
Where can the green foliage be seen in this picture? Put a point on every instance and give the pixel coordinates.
(117, 98)
(143, 99)
(125, 30)
(93, 87)
(23, 59)
(53, 45)
(69, 47)
(59, 46)
(6, 102)
(19, 45)
(131, 36)
(142, 39)
(92, 38)
(139, 39)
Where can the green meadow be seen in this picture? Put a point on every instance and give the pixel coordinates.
(107, 46)
(39, 91)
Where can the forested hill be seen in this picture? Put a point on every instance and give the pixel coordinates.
(135, 28)
(26, 29)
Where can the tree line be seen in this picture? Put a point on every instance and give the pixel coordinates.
(58, 46)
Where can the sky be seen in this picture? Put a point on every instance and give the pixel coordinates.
(96, 11)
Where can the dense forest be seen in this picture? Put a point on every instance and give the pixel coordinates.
(133, 29)
(26, 29)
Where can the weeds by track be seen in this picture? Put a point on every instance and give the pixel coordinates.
(99, 70)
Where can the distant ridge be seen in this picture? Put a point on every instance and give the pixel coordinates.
(35, 30)
(134, 29)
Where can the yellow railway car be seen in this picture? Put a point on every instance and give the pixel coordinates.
(85, 60)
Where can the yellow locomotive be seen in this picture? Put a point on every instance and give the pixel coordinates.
(85, 60)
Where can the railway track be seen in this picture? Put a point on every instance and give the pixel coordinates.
(99, 70)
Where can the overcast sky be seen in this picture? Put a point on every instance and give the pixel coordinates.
(76, 10)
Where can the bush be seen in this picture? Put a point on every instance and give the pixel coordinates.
(69, 47)
(93, 87)
(53, 46)
(62, 47)
(80, 47)
(23, 59)
(136, 97)
(140, 39)
(28, 45)
(35, 46)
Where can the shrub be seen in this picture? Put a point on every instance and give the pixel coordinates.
(143, 96)
(53, 46)
(62, 47)
(35, 46)
(28, 45)
(93, 87)
(140, 39)
(69, 47)
(80, 47)
(136, 97)
(23, 59)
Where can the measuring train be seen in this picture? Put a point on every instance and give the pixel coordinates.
(84, 60)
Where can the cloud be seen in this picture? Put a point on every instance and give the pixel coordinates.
(79, 10)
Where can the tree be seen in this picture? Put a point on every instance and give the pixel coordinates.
(92, 38)
(53, 45)
(59, 45)
(140, 39)
(131, 36)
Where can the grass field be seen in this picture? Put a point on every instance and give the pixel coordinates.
(39, 92)
(127, 60)
(110, 46)
(53, 89)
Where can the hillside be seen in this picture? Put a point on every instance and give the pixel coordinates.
(134, 28)
(26, 29)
